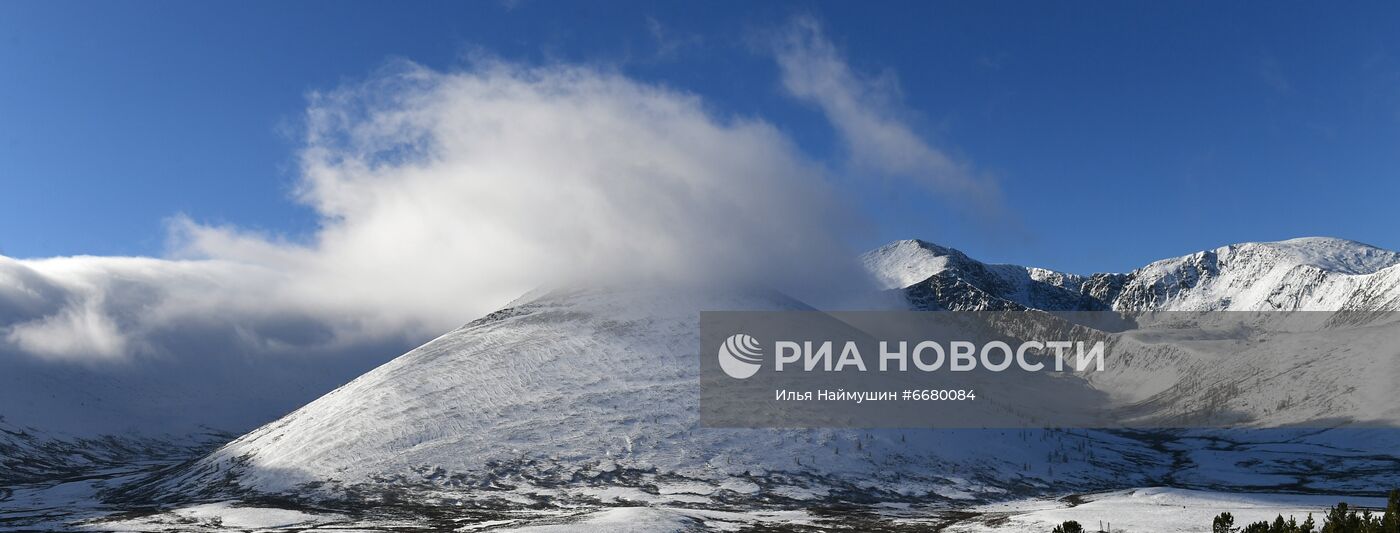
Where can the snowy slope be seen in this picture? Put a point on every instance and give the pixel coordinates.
(580, 389)
(1312, 273)
(903, 263)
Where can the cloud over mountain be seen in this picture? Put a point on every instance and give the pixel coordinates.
(443, 195)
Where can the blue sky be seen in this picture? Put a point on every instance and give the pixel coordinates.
(1118, 132)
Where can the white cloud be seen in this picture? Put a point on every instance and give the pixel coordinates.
(865, 113)
(443, 196)
(76, 330)
(111, 308)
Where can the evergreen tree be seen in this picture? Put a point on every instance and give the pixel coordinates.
(1261, 526)
(1069, 526)
(1336, 520)
(1342, 519)
(1225, 523)
(1390, 522)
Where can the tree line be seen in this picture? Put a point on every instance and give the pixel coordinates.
(1340, 518)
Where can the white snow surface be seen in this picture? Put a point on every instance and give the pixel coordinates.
(904, 263)
(620, 520)
(218, 516)
(582, 384)
(1313, 273)
(1154, 509)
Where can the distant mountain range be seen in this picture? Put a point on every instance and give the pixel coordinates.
(1313, 273)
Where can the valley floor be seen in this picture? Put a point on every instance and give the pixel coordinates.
(72, 506)
(1255, 475)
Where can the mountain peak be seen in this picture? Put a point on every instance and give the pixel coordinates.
(1326, 253)
(917, 244)
(903, 263)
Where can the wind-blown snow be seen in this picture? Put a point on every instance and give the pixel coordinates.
(903, 263)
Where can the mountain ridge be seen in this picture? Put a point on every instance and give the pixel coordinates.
(1308, 273)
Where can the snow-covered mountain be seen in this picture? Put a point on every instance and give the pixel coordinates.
(591, 395)
(1312, 273)
(1272, 377)
(935, 277)
(574, 394)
